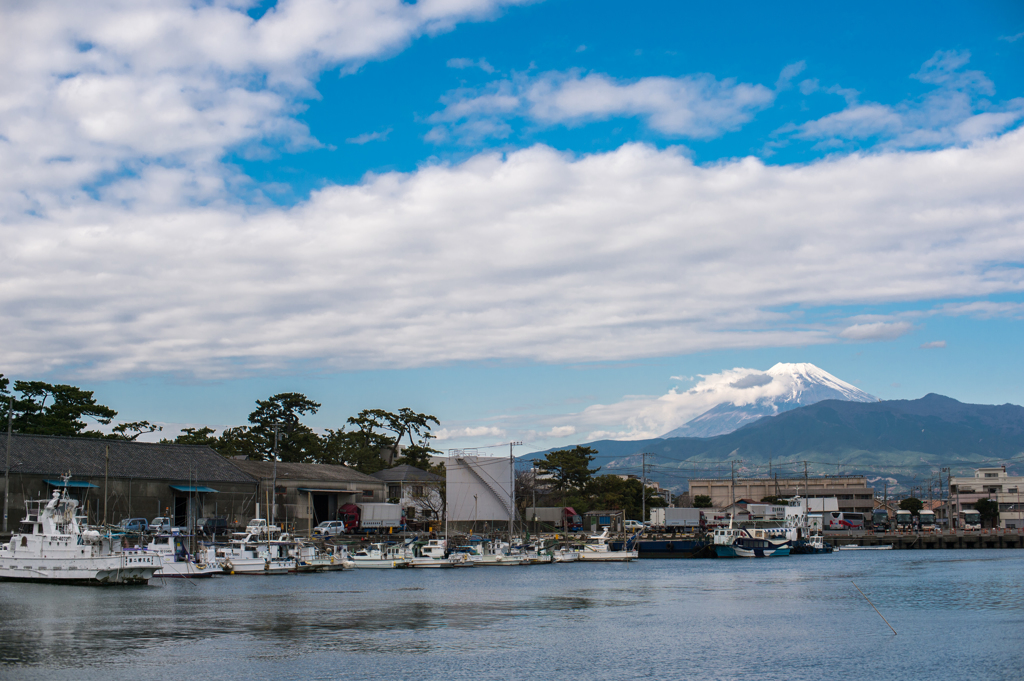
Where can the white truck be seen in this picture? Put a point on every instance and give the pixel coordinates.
(259, 527)
(675, 518)
(380, 517)
(165, 525)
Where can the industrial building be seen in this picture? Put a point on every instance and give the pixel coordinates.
(851, 491)
(115, 479)
(479, 491)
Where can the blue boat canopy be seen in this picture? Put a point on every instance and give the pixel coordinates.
(69, 483)
(192, 488)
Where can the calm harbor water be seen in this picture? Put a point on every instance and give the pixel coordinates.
(959, 615)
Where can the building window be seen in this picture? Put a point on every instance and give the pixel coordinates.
(417, 490)
(394, 491)
(367, 493)
(991, 475)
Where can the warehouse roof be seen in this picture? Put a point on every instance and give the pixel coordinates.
(307, 472)
(407, 473)
(87, 457)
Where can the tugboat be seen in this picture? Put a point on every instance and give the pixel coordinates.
(53, 547)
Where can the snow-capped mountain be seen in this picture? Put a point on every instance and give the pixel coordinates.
(781, 388)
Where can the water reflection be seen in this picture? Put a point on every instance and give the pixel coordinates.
(677, 619)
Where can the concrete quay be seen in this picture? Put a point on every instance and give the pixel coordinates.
(974, 539)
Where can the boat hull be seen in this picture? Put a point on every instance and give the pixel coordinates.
(740, 552)
(607, 556)
(99, 571)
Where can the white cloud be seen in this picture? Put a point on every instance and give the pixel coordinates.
(535, 255)
(99, 90)
(955, 112)
(933, 344)
(463, 63)
(468, 432)
(876, 331)
(697, 106)
(380, 135)
(561, 431)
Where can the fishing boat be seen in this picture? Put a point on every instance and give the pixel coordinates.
(741, 543)
(380, 556)
(564, 554)
(434, 554)
(311, 558)
(490, 554)
(249, 557)
(52, 546)
(178, 562)
(598, 550)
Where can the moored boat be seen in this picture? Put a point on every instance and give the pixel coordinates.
(178, 562)
(52, 546)
(740, 543)
(380, 556)
(597, 549)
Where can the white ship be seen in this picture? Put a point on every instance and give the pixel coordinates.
(51, 546)
(178, 562)
(597, 549)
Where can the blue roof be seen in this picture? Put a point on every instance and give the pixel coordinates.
(192, 488)
(69, 483)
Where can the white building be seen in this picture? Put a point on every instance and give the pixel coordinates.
(479, 490)
(994, 484)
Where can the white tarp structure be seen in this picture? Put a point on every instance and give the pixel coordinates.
(479, 488)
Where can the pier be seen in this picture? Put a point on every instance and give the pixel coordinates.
(974, 539)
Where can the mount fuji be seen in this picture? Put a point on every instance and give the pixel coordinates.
(781, 388)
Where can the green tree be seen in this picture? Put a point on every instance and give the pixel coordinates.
(132, 430)
(912, 504)
(239, 441)
(296, 441)
(373, 434)
(702, 501)
(988, 510)
(359, 449)
(46, 409)
(569, 468)
(195, 436)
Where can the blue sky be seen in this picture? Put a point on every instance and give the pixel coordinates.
(542, 221)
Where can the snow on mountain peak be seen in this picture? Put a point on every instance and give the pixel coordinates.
(745, 395)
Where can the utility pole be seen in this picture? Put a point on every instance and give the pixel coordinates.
(106, 470)
(273, 489)
(7, 470)
(949, 510)
(643, 488)
(512, 493)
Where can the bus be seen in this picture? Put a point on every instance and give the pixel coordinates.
(970, 519)
(880, 520)
(904, 519)
(926, 519)
(842, 520)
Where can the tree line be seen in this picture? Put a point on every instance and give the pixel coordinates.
(275, 428)
(566, 479)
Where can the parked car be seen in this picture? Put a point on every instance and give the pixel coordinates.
(258, 527)
(329, 528)
(139, 525)
(211, 527)
(164, 525)
(633, 525)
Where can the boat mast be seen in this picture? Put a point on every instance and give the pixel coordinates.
(7, 470)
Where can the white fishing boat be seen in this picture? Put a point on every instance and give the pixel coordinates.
(538, 554)
(434, 554)
(565, 554)
(311, 558)
(490, 554)
(178, 562)
(249, 557)
(52, 546)
(598, 550)
(380, 556)
(857, 547)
